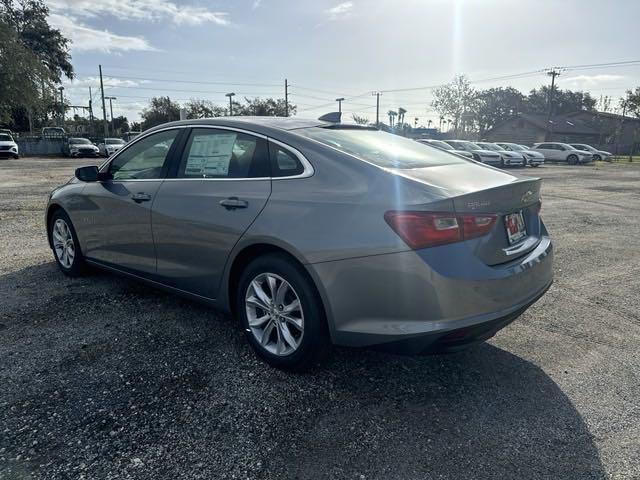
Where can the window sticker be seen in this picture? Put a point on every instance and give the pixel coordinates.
(210, 155)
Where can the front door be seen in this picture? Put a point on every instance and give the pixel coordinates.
(219, 187)
(116, 215)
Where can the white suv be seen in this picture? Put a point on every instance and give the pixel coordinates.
(8, 147)
(562, 152)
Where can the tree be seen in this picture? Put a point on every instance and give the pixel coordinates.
(631, 103)
(455, 100)
(401, 112)
(28, 19)
(392, 115)
(564, 101)
(34, 56)
(160, 110)
(265, 107)
(197, 108)
(495, 105)
(360, 120)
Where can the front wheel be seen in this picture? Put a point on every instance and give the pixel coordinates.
(281, 313)
(597, 158)
(66, 248)
(572, 159)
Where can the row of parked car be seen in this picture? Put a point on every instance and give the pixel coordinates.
(506, 154)
(83, 147)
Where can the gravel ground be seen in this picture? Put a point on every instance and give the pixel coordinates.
(103, 378)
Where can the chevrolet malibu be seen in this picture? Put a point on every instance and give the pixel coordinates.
(312, 233)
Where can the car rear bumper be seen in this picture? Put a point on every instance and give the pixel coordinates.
(416, 300)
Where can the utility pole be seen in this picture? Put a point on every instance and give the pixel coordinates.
(61, 88)
(286, 98)
(230, 95)
(113, 130)
(91, 113)
(377, 95)
(104, 109)
(553, 73)
(340, 100)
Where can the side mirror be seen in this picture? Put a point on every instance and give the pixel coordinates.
(88, 174)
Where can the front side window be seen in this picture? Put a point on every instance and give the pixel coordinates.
(381, 148)
(144, 159)
(213, 153)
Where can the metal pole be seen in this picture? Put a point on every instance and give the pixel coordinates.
(286, 98)
(90, 113)
(230, 95)
(104, 109)
(113, 130)
(339, 100)
(377, 95)
(553, 73)
(61, 106)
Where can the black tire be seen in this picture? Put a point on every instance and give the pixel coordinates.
(535, 165)
(597, 158)
(572, 159)
(501, 162)
(78, 266)
(315, 345)
(16, 157)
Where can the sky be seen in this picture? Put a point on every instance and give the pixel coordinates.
(328, 49)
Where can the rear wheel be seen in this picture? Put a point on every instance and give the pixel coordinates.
(281, 313)
(66, 248)
(572, 159)
(597, 158)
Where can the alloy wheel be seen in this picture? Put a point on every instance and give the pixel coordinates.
(63, 243)
(274, 314)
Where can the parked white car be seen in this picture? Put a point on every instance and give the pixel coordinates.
(511, 159)
(597, 154)
(445, 146)
(535, 159)
(109, 146)
(8, 147)
(479, 154)
(562, 152)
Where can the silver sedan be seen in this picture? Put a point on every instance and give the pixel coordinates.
(312, 233)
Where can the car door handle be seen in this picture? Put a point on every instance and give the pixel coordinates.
(232, 203)
(140, 197)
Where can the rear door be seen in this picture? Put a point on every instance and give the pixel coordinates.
(115, 214)
(218, 186)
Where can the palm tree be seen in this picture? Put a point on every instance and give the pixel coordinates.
(429, 122)
(401, 112)
(441, 120)
(392, 114)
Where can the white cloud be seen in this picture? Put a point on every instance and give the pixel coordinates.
(85, 38)
(256, 4)
(153, 10)
(107, 81)
(341, 10)
(592, 80)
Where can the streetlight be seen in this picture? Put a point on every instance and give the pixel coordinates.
(339, 100)
(61, 88)
(230, 95)
(113, 130)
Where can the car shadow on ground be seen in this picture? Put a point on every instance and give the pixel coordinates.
(110, 377)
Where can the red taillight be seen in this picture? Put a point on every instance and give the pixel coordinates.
(428, 229)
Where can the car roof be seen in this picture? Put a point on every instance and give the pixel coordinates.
(259, 124)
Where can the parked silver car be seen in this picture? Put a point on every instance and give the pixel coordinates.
(446, 147)
(109, 146)
(563, 152)
(511, 159)
(479, 154)
(597, 154)
(312, 232)
(535, 159)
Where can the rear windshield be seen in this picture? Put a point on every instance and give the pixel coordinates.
(381, 148)
(5, 138)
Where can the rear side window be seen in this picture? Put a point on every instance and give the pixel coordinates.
(284, 163)
(381, 148)
(213, 153)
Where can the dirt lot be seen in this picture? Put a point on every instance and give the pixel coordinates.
(102, 378)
